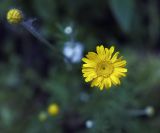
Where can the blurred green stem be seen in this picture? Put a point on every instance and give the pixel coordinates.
(29, 27)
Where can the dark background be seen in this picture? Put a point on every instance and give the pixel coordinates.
(32, 76)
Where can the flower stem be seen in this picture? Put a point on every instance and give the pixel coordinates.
(29, 27)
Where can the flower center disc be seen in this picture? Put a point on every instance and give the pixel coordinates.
(104, 69)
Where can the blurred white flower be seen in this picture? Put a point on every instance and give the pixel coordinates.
(150, 111)
(68, 30)
(89, 124)
(73, 51)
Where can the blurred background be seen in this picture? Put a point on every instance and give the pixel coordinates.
(33, 76)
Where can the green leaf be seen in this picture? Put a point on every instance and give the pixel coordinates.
(124, 13)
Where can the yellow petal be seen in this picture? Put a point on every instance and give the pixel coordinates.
(107, 53)
(103, 83)
(92, 56)
(119, 69)
(87, 70)
(90, 73)
(88, 65)
(119, 74)
(114, 58)
(94, 82)
(111, 50)
(115, 80)
(101, 86)
(97, 81)
(108, 83)
(120, 64)
(87, 60)
(101, 52)
(89, 78)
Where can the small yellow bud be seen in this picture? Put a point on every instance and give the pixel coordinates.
(42, 116)
(14, 16)
(150, 111)
(53, 109)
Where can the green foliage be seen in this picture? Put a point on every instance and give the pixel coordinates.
(124, 11)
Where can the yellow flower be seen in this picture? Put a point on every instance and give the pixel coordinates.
(103, 68)
(14, 16)
(42, 116)
(53, 109)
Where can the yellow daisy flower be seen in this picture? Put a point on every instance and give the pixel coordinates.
(14, 16)
(103, 68)
(53, 109)
(42, 116)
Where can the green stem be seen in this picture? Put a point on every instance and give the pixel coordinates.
(28, 26)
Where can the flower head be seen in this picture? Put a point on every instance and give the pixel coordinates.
(103, 68)
(150, 111)
(42, 116)
(53, 109)
(73, 51)
(14, 16)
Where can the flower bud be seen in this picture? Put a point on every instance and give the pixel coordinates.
(14, 16)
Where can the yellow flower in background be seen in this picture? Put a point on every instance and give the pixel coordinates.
(53, 109)
(14, 16)
(103, 68)
(42, 116)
